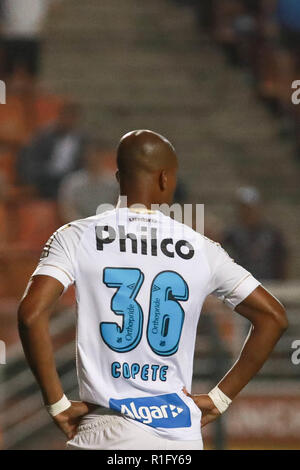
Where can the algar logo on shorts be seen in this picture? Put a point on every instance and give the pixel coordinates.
(161, 411)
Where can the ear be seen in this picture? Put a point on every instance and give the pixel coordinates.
(163, 180)
(118, 176)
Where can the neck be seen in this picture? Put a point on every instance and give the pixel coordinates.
(141, 197)
(125, 201)
(143, 193)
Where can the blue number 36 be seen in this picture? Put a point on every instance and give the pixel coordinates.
(166, 316)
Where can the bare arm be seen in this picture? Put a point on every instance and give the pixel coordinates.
(34, 313)
(269, 321)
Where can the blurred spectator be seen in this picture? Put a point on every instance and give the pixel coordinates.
(181, 192)
(84, 190)
(27, 108)
(227, 13)
(268, 46)
(253, 242)
(21, 27)
(213, 228)
(14, 123)
(262, 36)
(288, 13)
(56, 151)
(289, 19)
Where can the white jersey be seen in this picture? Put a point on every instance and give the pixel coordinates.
(141, 280)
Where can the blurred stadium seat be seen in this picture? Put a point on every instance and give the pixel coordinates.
(8, 164)
(37, 220)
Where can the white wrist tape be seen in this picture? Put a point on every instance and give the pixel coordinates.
(220, 400)
(61, 405)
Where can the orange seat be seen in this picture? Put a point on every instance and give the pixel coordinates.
(8, 165)
(37, 220)
(16, 267)
(46, 108)
(3, 223)
(21, 117)
(13, 126)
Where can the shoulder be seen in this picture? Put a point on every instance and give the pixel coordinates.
(215, 254)
(182, 229)
(77, 228)
(67, 238)
(73, 231)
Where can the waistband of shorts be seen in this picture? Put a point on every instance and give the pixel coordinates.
(102, 420)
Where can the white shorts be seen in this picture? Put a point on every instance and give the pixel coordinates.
(110, 432)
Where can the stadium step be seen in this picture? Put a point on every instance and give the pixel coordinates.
(144, 64)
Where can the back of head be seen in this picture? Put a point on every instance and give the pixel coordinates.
(144, 151)
(147, 158)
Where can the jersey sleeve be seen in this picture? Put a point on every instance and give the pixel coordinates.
(229, 281)
(58, 257)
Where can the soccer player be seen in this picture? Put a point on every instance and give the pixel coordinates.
(141, 279)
